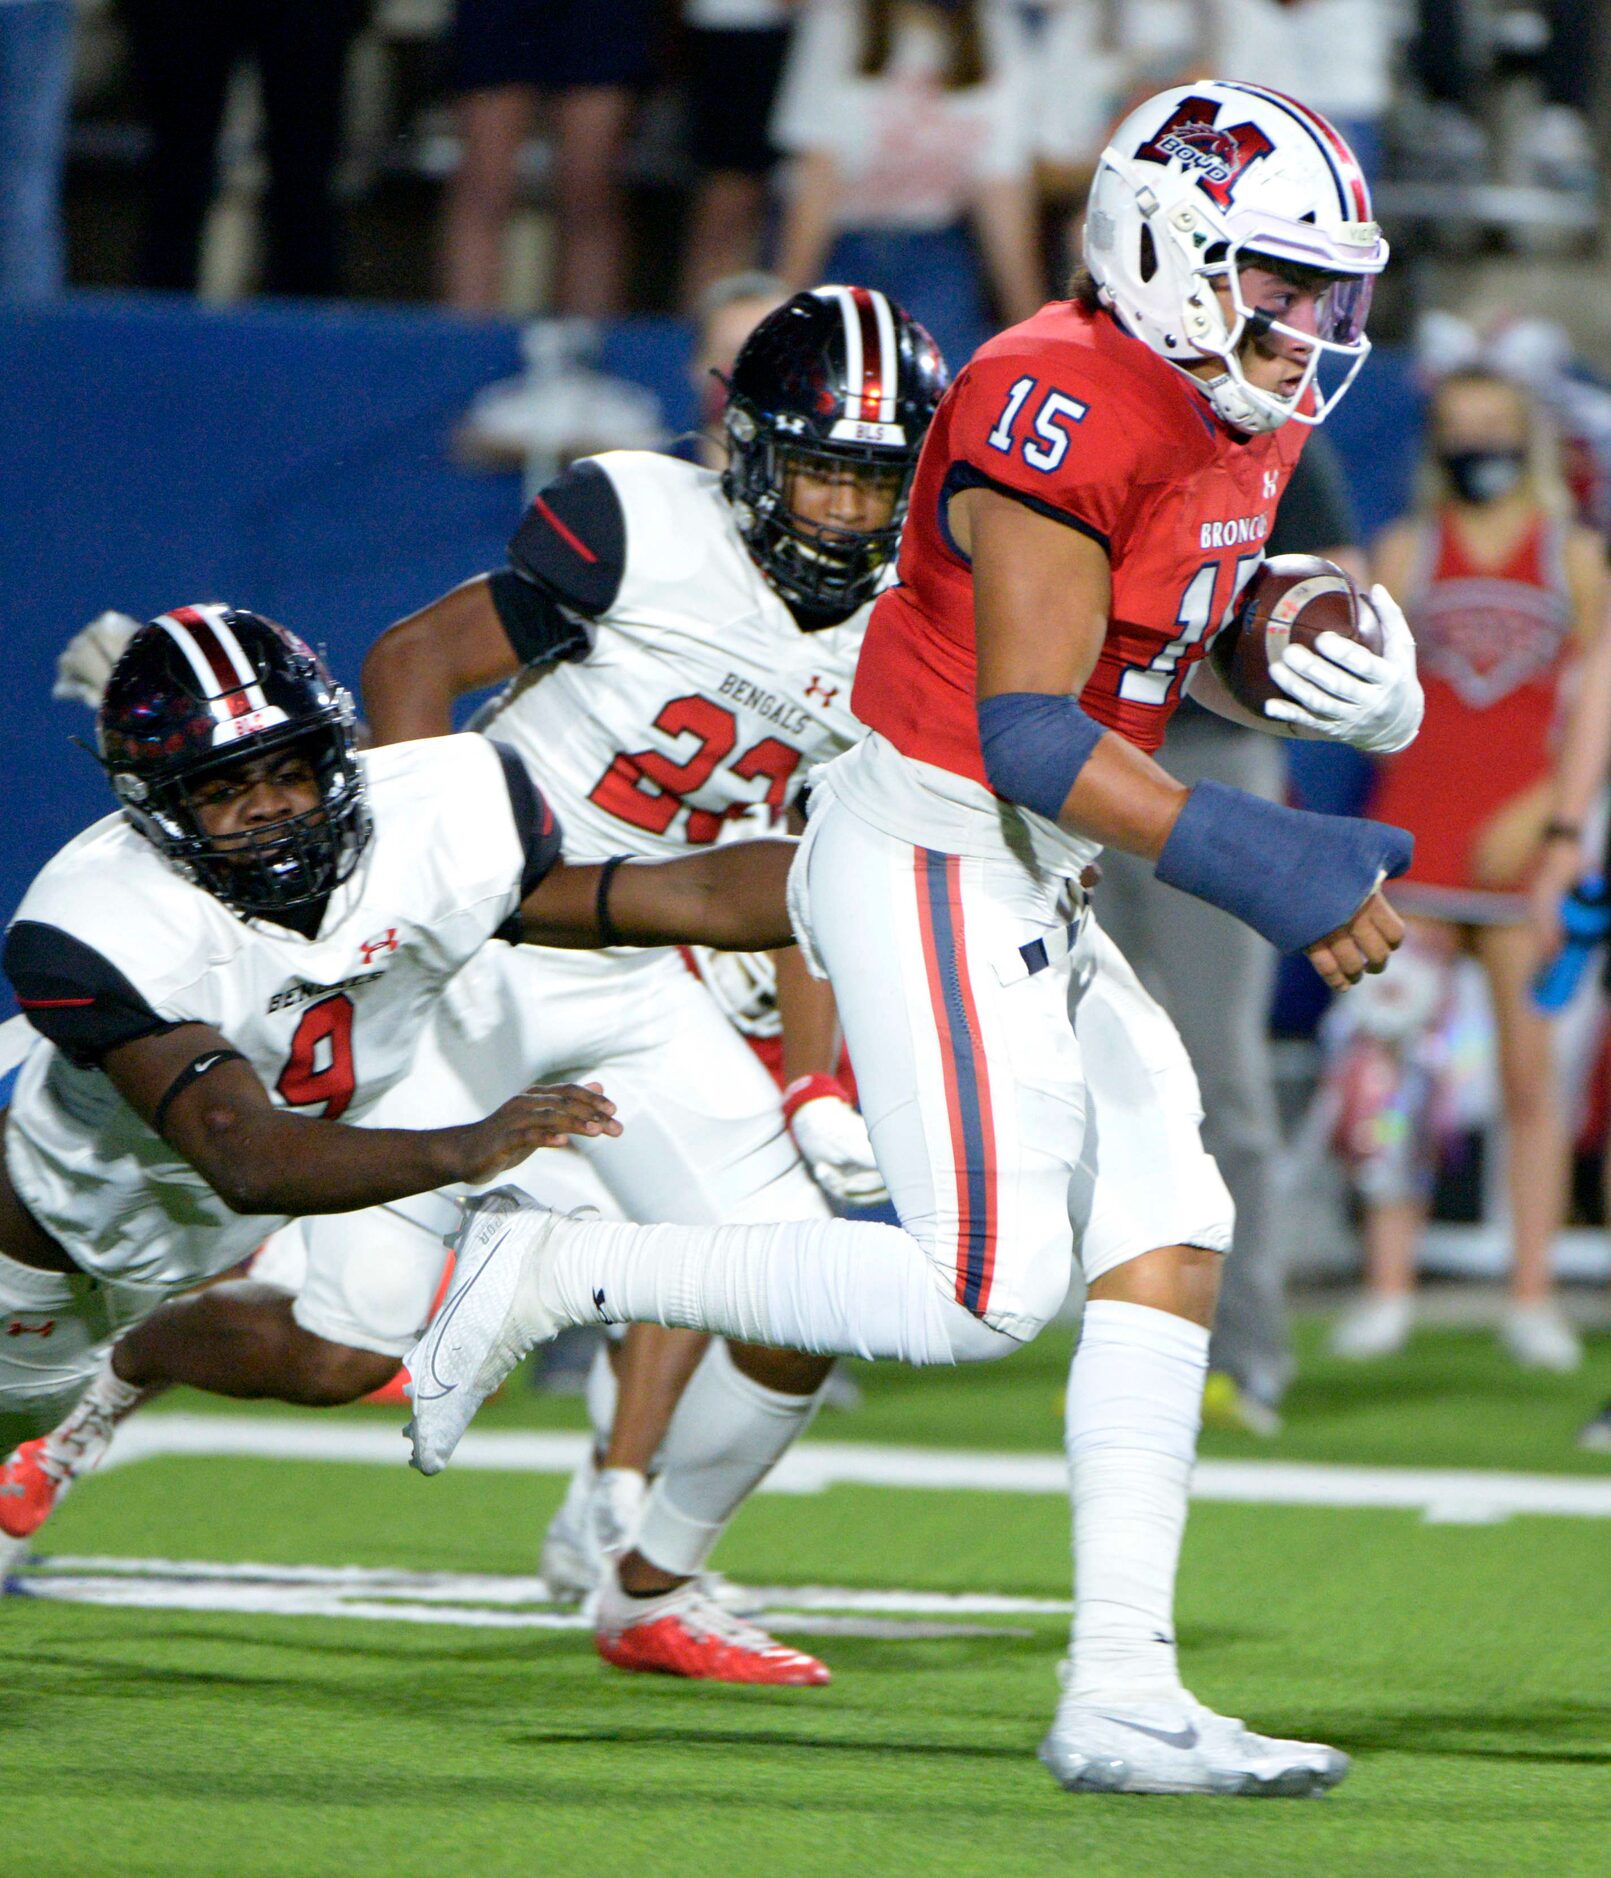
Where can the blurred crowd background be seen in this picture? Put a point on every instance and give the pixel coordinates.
(603, 157)
(584, 204)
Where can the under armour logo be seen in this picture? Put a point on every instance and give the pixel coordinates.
(819, 688)
(387, 941)
(1272, 482)
(15, 1329)
(600, 1306)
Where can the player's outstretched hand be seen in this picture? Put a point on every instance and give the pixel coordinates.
(86, 661)
(1364, 944)
(539, 1117)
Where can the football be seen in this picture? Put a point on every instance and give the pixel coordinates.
(1291, 597)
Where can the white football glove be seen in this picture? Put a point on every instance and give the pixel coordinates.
(1352, 695)
(833, 1141)
(85, 662)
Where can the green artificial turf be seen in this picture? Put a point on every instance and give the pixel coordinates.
(1463, 1666)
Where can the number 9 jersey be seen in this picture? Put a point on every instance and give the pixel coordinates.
(111, 943)
(1070, 415)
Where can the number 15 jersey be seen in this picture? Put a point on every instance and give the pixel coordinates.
(1070, 415)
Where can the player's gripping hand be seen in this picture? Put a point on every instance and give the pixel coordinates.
(85, 662)
(833, 1141)
(1363, 944)
(539, 1117)
(1351, 694)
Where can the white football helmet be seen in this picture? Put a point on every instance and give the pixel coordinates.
(1202, 178)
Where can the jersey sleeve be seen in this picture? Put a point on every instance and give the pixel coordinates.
(1059, 438)
(74, 995)
(535, 821)
(572, 541)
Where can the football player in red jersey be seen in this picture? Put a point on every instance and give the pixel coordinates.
(1090, 500)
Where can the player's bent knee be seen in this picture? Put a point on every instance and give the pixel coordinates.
(329, 1375)
(1180, 1279)
(974, 1341)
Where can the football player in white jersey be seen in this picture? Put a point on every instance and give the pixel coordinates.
(681, 646)
(232, 972)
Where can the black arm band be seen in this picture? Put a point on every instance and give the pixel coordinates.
(608, 936)
(193, 1071)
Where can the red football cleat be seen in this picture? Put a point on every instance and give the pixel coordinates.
(686, 1633)
(30, 1487)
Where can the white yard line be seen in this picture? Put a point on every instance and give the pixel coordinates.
(482, 1600)
(1452, 1495)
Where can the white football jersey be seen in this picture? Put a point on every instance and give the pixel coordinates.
(701, 697)
(329, 1023)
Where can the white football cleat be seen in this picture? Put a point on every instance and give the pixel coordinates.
(1180, 1747)
(490, 1318)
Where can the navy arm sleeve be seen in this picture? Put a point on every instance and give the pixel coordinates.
(73, 995)
(567, 560)
(538, 827)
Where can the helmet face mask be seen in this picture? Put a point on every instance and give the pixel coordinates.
(837, 384)
(818, 566)
(1206, 181)
(197, 697)
(1331, 353)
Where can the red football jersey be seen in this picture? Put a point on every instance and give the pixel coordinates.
(1070, 414)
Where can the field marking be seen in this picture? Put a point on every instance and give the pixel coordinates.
(1456, 1496)
(483, 1600)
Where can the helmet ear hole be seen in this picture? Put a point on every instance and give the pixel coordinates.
(1147, 266)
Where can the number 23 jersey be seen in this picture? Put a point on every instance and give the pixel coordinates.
(111, 943)
(1071, 416)
(698, 697)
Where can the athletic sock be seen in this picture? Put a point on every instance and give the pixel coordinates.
(1134, 1404)
(828, 1287)
(75, 1446)
(725, 1437)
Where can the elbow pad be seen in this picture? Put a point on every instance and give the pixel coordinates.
(1035, 744)
(1291, 875)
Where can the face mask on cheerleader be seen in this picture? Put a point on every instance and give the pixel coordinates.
(1478, 476)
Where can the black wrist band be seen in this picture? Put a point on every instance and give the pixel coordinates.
(192, 1072)
(608, 935)
(1562, 831)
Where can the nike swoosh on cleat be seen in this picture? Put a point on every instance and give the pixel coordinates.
(1170, 1737)
(440, 1328)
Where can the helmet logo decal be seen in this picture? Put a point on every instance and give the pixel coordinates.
(1217, 157)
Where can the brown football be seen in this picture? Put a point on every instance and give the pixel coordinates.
(1291, 597)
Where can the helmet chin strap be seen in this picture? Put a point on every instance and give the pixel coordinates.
(1232, 400)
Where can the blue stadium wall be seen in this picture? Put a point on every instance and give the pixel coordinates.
(296, 460)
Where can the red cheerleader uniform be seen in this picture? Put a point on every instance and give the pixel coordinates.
(1492, 645)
